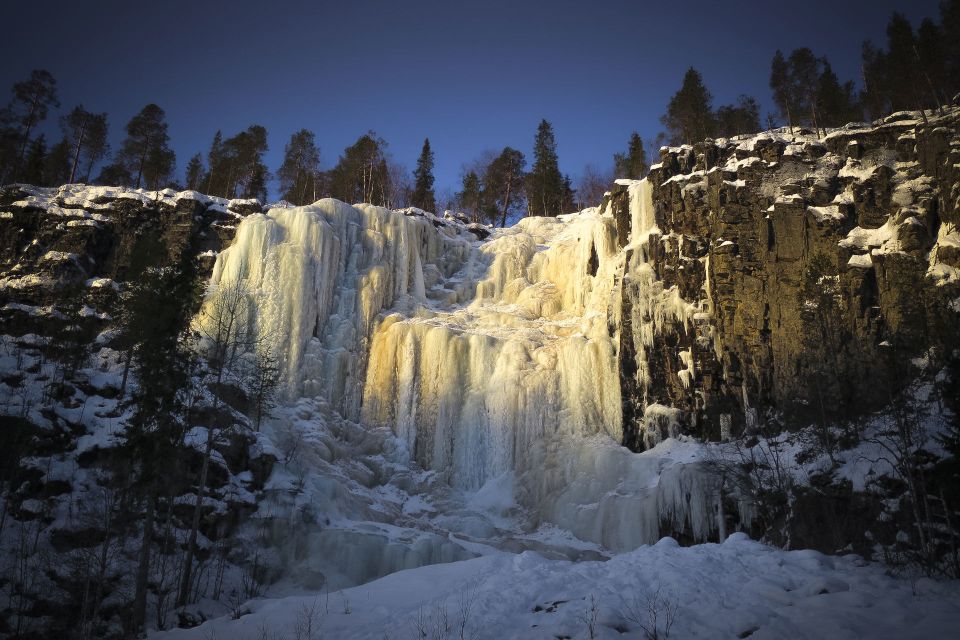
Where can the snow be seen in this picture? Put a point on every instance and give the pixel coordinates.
(880, 240)
(728, 590)
(854, 169)
(827, 213)
(860, 261)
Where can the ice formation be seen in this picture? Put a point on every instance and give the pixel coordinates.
(482, 358)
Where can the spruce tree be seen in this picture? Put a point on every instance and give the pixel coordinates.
(214, 156)
(544, 183)
(423, 196)
(300, 169)
(194, 173)
(469, 197)
(157, 312)
(632, 164)
(689, 116)
(569, 200)
(837, 103)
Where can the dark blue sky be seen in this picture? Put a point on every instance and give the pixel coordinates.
(471, 76)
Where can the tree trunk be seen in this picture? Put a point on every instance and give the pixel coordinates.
(26, 136)
(721, 515)
(126, 373)
(143, 160)
(184, 594)
(76, 153)
(139, 613)
(506, 203)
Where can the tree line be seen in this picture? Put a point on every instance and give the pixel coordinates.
(915, 70)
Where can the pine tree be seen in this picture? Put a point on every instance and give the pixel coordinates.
(145, 152)
(423, 196)
(689, 116)
(469, 197)
(300, 169)
(544, 182)
(362, 174)
(256, 186)
(502, 186)
(194, 173)
(236, 167)
(87, 135)
(738, 119)
(633, 164)
(31, 101)
(805, 79)
(782, 87)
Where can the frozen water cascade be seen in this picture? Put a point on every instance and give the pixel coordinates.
(474, 361)
(320, 275)
(471, 388)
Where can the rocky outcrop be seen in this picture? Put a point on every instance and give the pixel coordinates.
(821, 265)
(75, 234)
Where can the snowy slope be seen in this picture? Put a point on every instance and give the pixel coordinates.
(737, 589)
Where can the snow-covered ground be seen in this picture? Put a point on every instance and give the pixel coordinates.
(737, 589)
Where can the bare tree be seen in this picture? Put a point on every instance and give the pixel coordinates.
(223, 327)
(262, 381)
(591, 186)
(655, 613)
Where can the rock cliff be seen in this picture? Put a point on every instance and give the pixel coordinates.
(814, 268)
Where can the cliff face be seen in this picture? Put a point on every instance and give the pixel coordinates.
(815, 267)
(52, 238)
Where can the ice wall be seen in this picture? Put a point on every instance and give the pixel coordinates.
(319, 276)
(472, 387)
(482, 358)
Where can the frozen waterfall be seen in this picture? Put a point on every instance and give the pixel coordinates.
(483, 358)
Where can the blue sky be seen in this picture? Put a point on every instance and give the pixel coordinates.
(470, 76)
